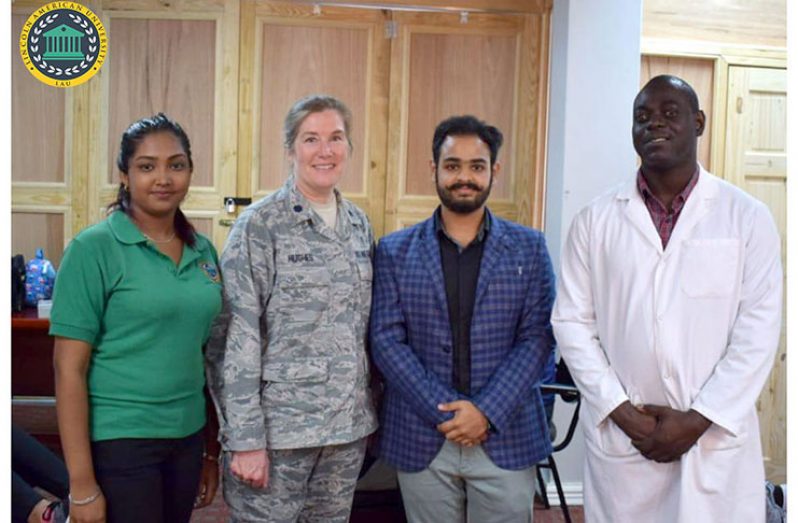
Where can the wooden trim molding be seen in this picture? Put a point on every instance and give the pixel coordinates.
(474, 6)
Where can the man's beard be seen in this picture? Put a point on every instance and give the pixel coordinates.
(459, 206)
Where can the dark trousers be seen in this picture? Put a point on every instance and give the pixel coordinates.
(149, 480)
(33, 465)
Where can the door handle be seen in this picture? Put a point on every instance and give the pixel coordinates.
(226, 222)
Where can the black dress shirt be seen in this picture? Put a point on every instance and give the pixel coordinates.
(460, 274)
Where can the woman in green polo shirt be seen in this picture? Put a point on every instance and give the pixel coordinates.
(134, 300)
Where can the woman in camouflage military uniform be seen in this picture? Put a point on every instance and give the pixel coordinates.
(287, 358)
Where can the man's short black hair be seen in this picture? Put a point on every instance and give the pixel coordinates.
(467, 125)
(678, 83)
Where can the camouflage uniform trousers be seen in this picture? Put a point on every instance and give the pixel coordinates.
(310, 485)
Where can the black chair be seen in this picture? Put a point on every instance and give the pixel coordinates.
(565, 388)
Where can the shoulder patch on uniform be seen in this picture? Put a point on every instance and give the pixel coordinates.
(210, 270)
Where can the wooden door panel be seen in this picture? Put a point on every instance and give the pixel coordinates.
(34, 229)
(180, 59)
(491, 66)
(44, 192)
(40, 113)
(293, 50)
(302, 60)
(756, 159)
(453, 74)
(163, 66)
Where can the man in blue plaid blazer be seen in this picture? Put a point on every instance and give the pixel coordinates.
(460, 331)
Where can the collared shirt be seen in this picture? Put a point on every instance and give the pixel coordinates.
(146, 319)
(664, 219)
(460, 266)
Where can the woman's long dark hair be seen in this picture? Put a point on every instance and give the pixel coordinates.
(131, 139)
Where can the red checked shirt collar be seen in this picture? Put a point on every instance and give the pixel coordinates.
(664, 220)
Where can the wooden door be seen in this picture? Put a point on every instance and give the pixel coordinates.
(47, 188)
(228, 71)
(292, 50)
(491, 66)
(756, 160)
(181, 60)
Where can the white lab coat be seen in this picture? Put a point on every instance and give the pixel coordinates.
(694, 326)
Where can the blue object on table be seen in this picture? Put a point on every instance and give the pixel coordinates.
(39, 279)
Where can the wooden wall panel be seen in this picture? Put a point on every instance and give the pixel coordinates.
(301, 60)
(165, 5)
(169, 66)
(772, 404)
(31, 230)
(497, 6)
(771, 123)
(743, 22)
(459, 74)
(756, 161)
(700, 74)
(495, 67)
(38, 115)
(202, 225)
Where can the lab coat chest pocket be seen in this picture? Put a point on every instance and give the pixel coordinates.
(710, 267)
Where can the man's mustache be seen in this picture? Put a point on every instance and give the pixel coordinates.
(461, 185)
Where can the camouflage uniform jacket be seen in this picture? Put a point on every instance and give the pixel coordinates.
(287, 357)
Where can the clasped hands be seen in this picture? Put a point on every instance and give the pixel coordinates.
(468, 427)
(661, 434)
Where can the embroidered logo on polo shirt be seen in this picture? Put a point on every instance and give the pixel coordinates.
(211, 271)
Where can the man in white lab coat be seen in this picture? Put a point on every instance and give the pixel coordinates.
(668, 315)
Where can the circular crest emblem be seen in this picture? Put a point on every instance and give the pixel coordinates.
(63, 44)
(210, 271)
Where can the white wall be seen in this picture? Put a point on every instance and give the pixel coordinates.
(595, 75)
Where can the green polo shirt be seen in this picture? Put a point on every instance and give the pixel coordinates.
(146, 320)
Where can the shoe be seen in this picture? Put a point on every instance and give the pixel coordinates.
(774, 504)
(56, 512)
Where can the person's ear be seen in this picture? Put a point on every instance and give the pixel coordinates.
(496, 169)
(700, 123)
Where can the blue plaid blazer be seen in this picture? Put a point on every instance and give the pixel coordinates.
(511, 339)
